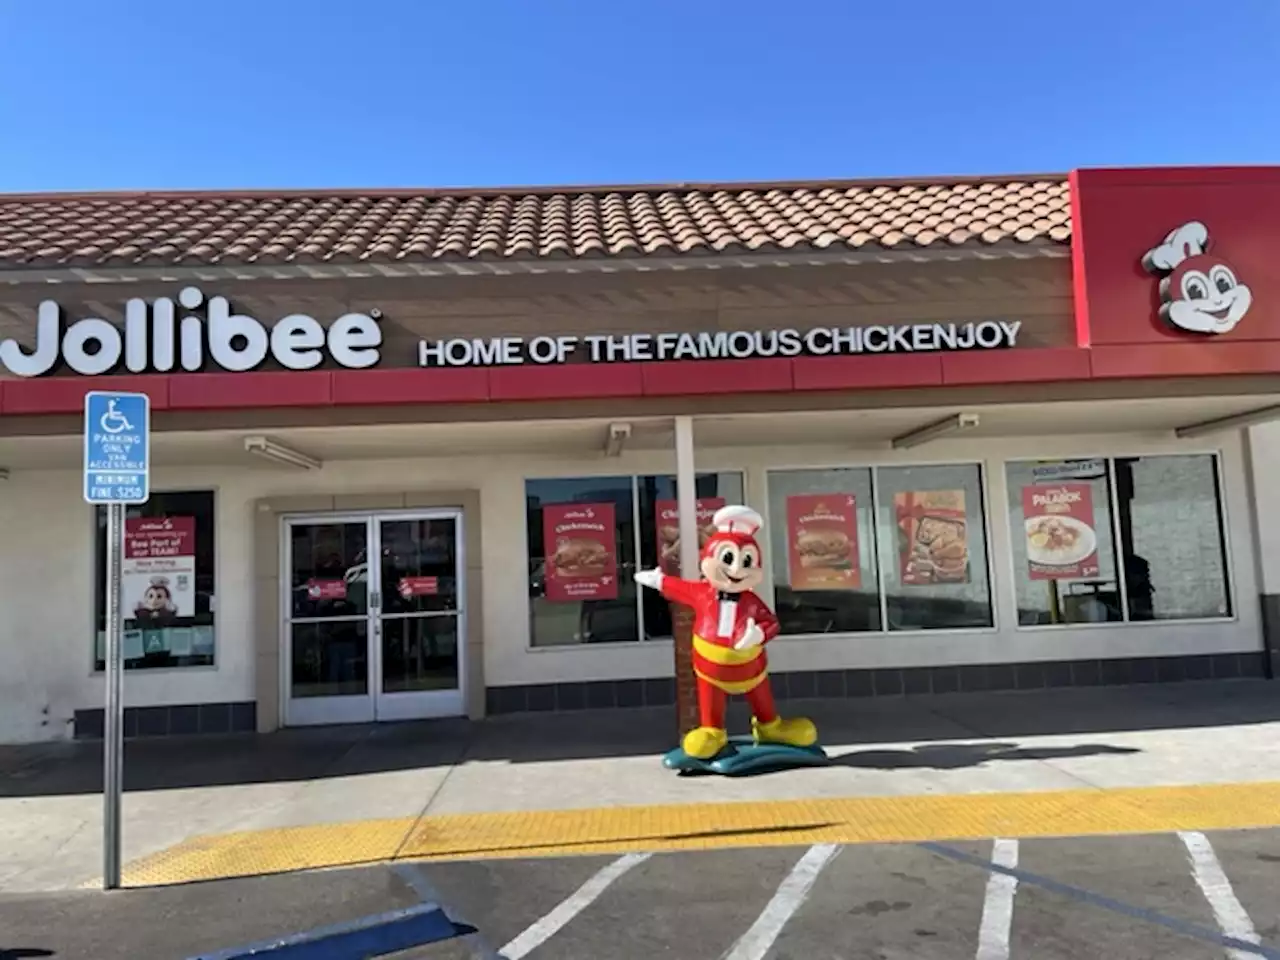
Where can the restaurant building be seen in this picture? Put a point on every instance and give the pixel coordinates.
(410, 446)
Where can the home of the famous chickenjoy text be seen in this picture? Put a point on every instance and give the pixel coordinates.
(411, 447)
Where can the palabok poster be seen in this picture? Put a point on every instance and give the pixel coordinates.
(822, 541)
(668, 516)
(158, 576)
(1062, 541)
(581, 559)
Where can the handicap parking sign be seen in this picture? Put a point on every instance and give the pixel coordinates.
(117, 447)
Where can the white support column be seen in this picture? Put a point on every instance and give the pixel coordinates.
(687, 498)
(1261, 461)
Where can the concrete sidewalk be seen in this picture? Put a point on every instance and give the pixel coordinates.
(1180, 735)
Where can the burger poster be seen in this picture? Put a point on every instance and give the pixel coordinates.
(582, 563)
(158, 576)
(933, 541)
(1062, 543)
(668, 512)
(822, 541)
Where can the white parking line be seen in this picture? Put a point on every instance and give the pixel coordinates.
(755, 943)
(1232, 918)
(546, 928)
(997, 908)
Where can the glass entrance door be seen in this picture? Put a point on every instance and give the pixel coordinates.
(374, 616)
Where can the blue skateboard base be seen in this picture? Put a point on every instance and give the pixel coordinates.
(743, 756)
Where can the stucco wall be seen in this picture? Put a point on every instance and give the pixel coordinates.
(46, 567)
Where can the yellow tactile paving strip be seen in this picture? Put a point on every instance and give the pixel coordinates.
(886, 819)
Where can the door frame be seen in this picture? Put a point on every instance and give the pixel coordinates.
(374, 706)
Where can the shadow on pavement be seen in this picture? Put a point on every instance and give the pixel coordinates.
(22, 953)
(957, 756)
(325, 752)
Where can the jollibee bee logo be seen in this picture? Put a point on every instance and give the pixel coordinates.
(1199, 291)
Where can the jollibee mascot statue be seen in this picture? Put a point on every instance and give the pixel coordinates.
(731, 628)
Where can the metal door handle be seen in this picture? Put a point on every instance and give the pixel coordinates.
(375, 600)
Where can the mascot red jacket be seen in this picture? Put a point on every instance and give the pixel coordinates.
(731, 628)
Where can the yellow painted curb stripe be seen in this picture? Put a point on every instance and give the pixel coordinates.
(611, 830)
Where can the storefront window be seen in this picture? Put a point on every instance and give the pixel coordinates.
(168, 590)
(1064, 554)
(584, 537)
(822, 549)
(840, 568)
(1171, 558)
(1170, 517)
(933, 547)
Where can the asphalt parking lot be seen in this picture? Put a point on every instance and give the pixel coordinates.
(1165, 896)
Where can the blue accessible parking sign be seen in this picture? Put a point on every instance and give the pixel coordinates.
(117, 447)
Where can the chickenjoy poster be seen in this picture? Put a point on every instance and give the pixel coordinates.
(1062, 542)
(158, 576)
(581, 560)
(933, 536)
(668, 514)
(822, 541)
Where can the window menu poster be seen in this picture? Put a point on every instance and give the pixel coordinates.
(822, 541)
(158, 575)
(1062, 541)
(581, 557)
(933, 538)
(668, 514)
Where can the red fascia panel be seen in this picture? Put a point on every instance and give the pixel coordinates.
(264, 388)
(1079, 286)
(54, 395)
(708, 377)
(884, 371)
(1043, 365)
(572, 382)
(1184, 360)
(390, 387)
(1164, 176)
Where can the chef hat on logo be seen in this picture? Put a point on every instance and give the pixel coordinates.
(737, 519)
(1189, 240)
(735, 524)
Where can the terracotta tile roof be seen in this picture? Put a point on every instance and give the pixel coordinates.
(298, 227)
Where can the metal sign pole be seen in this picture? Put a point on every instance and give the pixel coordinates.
(117, 471)
(113, 727)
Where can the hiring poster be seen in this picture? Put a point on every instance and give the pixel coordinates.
(933, 539)
(822, 541)
(668, 514)
(158, 576)
(581, 558)
(1062, 542)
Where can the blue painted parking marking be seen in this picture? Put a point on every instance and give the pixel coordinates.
(373, 936)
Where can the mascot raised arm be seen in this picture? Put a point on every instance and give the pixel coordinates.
(732, 627)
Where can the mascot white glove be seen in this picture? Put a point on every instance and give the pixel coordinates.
(752, 636)
(649, 578)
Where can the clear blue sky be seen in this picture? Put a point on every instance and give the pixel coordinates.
(274, 93)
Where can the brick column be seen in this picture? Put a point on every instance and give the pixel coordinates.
(686, 685)
(682, 617)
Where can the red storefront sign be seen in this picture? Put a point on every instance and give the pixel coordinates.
(318, 589)
(1181, 260)
(419, 587)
